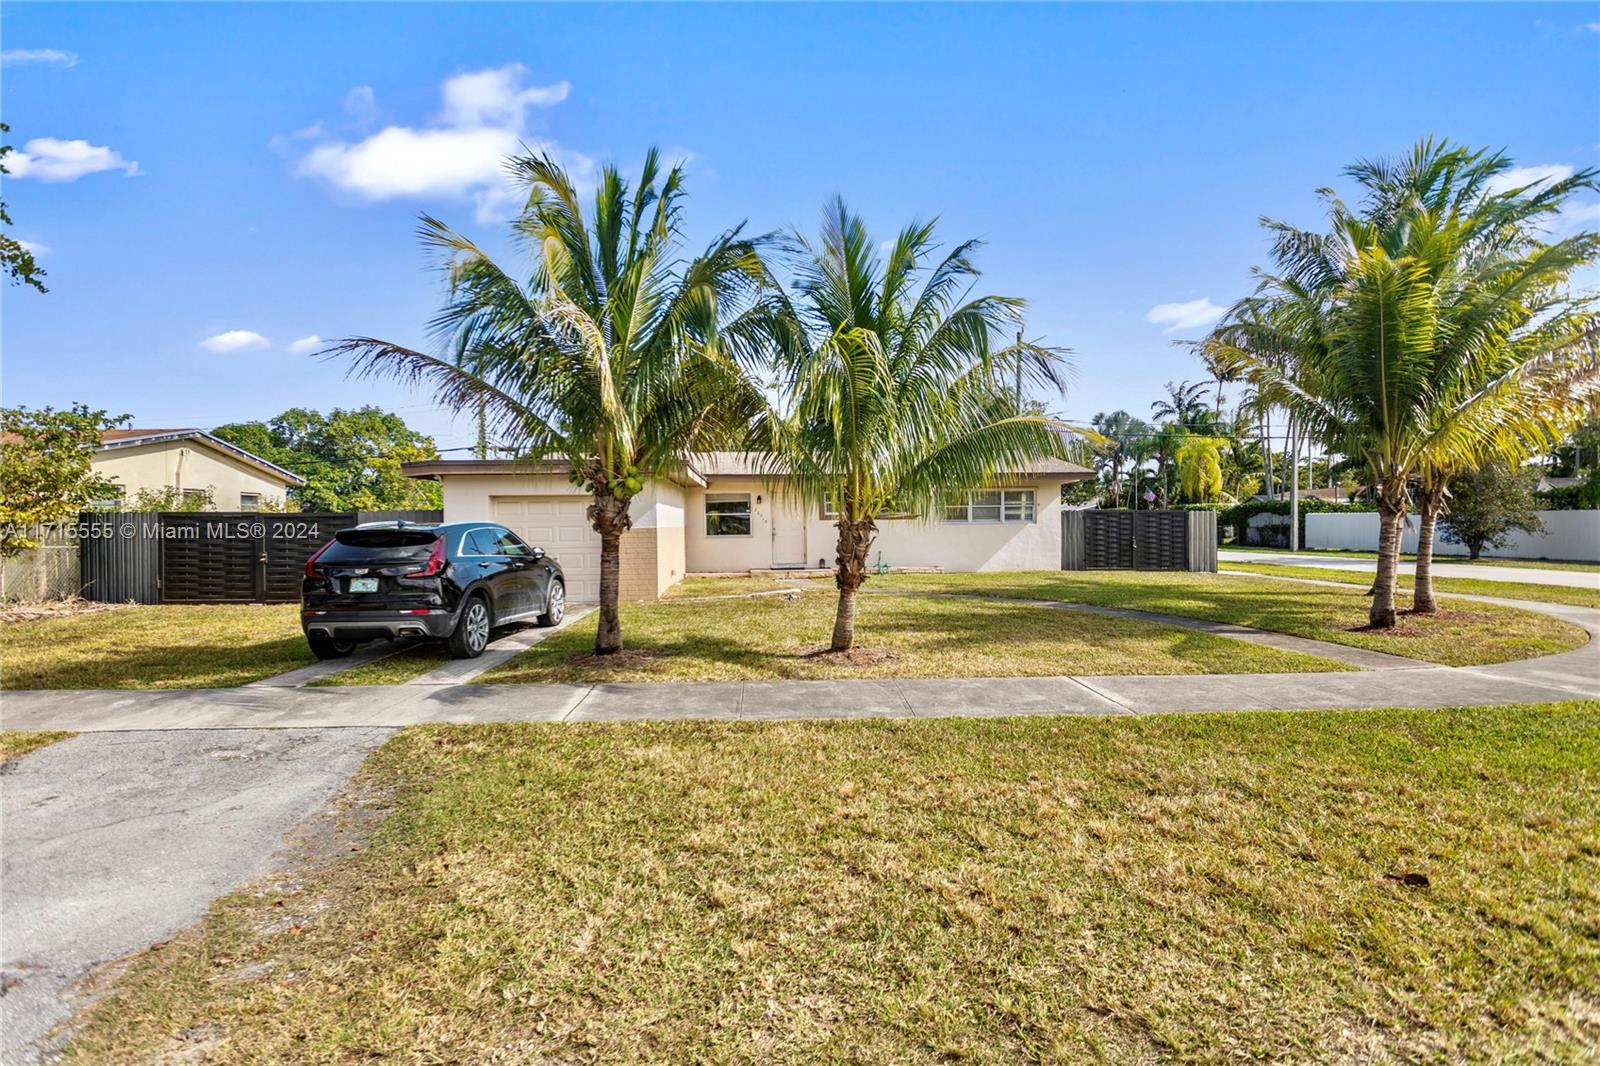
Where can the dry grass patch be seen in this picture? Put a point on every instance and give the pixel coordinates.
(903, 636)
(15, 743)
(1200, 888)
(154, 647)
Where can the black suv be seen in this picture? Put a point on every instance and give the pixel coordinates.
(451, 582)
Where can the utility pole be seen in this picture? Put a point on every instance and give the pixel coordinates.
(1294, 490)
(1019, 371)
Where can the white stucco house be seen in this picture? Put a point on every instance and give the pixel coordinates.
(190, 461)
(720, 514)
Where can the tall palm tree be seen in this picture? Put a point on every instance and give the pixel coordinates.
(895, 396)
(611, 355)
(1185, 404)
(1423, 329)
(1122, 433)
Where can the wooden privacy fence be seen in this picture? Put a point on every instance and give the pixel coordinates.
(1139, 540)
(209, 556)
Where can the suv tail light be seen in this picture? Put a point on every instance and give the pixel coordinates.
(311, 563)
(434, 564)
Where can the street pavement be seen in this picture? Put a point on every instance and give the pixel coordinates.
(1512, 575)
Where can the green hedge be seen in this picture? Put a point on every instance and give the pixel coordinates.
(1581, 497)
(1239, 515)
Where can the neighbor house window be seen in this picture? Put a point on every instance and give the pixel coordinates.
(249, 501)
(990, 505)
(194, 499)
(727, 514)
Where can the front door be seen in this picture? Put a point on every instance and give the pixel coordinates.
(788, 534)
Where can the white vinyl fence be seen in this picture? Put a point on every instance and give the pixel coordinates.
(1568, 535)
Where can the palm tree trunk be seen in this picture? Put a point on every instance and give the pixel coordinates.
(1391, 514)
(609, 516)
(855, 540)
(1427, 516)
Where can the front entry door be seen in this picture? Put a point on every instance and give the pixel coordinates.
(788, 534)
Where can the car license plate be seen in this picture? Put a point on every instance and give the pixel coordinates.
(363, 584)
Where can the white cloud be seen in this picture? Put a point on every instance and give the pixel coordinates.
(1191, 315)
(1518, 177)
(306, 345)
(1592, 27)
(496, 97)
(461, 154)
(50, 56)
(235, 340)
(34, 247)
(49, 159)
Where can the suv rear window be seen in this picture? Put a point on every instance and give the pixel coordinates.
(378, 546)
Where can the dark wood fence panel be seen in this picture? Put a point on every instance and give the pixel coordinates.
(208, 556)
(120, 556)
(1138, 540)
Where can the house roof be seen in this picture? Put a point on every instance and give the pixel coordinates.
(700, 467)
(753, 464)
(114, 439)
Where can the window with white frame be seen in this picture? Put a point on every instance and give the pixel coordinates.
(249, 501)
(727, 514)
(891, 510)
(990, 505)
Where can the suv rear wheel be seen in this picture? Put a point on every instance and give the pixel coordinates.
(471, 634)
(328, 648)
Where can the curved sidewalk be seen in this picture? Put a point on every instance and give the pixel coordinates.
(1569, 675)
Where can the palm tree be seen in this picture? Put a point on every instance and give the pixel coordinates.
(895, 396)
(1185, 404)
(1422, 330)
(1122, 433)
(612, 355)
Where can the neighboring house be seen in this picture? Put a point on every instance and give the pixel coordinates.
(190, 461)
(719, 514)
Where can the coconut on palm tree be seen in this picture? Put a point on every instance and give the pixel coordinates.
(1428, 328)
(894, 393)
(607, 351)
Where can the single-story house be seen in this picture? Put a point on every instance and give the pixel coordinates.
(718, 513)
(190, 461)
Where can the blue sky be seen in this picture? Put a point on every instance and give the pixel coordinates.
(249, 175)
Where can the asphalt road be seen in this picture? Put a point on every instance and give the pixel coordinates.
(116, 841)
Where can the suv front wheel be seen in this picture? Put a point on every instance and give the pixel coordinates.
(471, 634)
(555, 605)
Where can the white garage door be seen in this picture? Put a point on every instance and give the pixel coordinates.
(558, 525)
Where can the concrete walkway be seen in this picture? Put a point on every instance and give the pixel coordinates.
(1512, 575)
(116, 841)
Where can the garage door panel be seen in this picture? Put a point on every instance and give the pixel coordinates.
(559, 525)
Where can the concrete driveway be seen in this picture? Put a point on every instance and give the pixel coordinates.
(1512, 575)
(116, 841)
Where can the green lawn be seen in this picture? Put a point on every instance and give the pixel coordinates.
(1205, 888)
(1463, 634)
(679, 639)
(1527, 564)
(15, 743)
(153, 647)
(1470, 586)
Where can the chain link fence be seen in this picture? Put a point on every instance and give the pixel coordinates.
(49, 572)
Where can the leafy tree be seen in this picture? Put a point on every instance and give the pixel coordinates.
(349, 458)
(172, 498)
(45, 472)
(1487, 505)
(17, 262)
(895, 394)
(616, 356)
(1429, 329)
